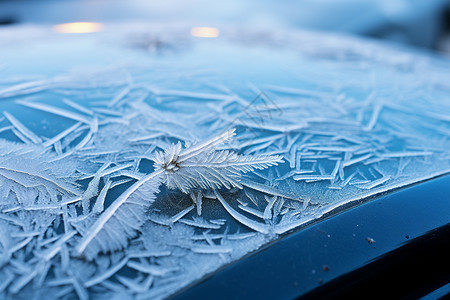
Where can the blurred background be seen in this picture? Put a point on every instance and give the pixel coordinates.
(422, 23)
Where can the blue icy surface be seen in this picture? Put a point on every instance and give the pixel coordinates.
(83, 116)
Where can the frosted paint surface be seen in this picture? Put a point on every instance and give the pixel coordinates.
(320, 121)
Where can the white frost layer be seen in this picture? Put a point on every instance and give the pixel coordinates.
(350, 118)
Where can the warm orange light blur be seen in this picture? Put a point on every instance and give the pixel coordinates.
(205, 32)
(78, 27)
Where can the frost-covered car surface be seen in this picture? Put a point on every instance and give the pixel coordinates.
(140, 159)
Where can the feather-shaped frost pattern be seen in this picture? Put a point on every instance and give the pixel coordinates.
(197, 166)
(111, 230)
(202, 166)
(26, 171)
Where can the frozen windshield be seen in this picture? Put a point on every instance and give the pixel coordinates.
(135, 161)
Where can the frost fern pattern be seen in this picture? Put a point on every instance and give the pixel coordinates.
(197, 166)
(201, 166)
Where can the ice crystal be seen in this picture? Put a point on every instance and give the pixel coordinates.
(202, 166)
(30, 179)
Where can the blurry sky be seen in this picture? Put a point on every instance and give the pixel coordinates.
(418, 22)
